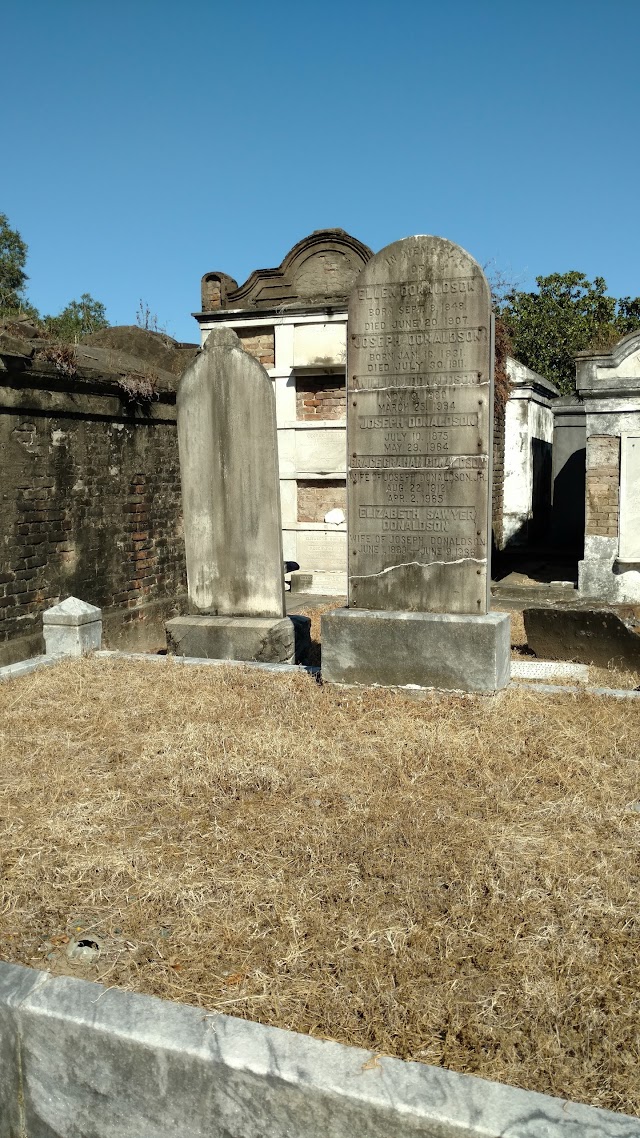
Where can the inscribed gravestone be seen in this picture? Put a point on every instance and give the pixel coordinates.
(419, 414)
(230, 487)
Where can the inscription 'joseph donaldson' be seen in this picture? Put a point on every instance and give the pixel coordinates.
(389, 423)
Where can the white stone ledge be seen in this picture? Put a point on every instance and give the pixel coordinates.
(81, 1059)
(569, 689)
(547, 669)
(24, 667)
(202, 660)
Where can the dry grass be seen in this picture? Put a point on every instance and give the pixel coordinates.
(452, 880)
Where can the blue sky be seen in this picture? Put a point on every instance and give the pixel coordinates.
(144, 144)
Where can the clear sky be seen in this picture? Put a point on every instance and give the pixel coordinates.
(146, 143)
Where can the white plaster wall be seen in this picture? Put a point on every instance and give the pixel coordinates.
(323, 549)
(527, 417)
(630, 499)
(626, 369)
(321, 450)
(319, 345)
(517, 468)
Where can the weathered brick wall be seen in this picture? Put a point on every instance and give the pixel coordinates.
(603, 485)
(316, 498)
(90, 507)
(320, 398)
(259, 342)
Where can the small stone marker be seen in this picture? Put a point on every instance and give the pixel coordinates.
(72, 628)
(419, 392)
(231, 501)
(419, 439)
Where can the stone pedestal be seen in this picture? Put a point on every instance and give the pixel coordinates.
(281, 641)
(72, 628)
(448, 651)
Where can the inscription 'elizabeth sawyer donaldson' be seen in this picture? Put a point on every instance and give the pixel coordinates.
(419, 405)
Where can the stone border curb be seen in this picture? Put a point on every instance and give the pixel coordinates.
(547, 669)
(24, 667)
(571, 689)
(79, 1058)
(105, 654)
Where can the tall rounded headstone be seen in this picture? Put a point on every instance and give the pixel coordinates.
(230, 488)
(419, 415)
(419, 420)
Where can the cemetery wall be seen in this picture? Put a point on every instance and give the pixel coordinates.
(90, 506)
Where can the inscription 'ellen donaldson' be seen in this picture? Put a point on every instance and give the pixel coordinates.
(402, 422)
(396, 290)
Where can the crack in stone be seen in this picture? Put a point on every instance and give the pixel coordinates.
(420, 564)
(424, 387)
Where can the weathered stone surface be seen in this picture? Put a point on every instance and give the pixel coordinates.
(81, 1059)
(284, 640)
(230, 486)
(419, 408)
(154, 348)
(72, 628)
(24, 667)
(72, 613)
(451, 652)
(320, 268)
(588, 636)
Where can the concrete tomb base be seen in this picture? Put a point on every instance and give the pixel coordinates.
(447, 651)
(588, 636)
(284, 640)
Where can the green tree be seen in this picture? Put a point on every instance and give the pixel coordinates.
(568, 314)
(13, 278)
(78, 319)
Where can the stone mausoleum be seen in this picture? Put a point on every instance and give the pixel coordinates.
(294, 320)
(608, 383)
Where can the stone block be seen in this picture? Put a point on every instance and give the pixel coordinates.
(447, 651)
(587, 636)
(81, 1059)
(282, 641)
(72, 628)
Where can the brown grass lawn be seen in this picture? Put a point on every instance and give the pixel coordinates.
(452, 880)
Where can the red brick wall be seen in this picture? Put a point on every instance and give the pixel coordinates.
(317, 497)
(90, 507)
(603, 485)
(258, 342)
(320, 398)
